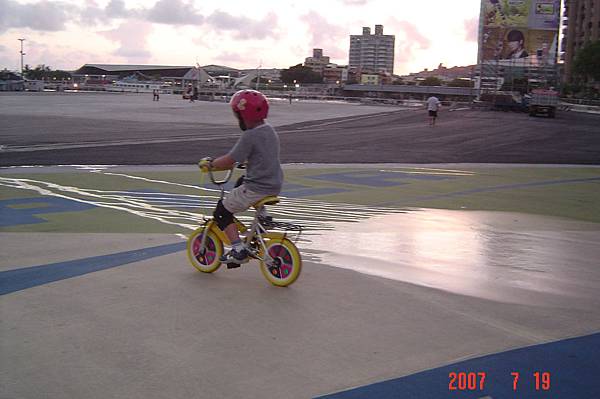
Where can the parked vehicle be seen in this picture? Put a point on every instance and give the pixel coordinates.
(543, 102)
(504, 101)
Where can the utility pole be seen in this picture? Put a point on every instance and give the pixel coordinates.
(258, 75)
(22, 54)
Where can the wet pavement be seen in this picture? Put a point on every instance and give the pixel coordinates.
(411, 272)
(95, 278)
(500, 256)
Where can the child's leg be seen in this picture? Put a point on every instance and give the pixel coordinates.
(232, 233)
(237, 200)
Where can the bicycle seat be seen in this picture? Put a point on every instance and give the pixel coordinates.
(268, 200)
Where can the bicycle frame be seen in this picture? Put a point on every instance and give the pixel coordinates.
(279, 259)
(255, 234)
(256, 231)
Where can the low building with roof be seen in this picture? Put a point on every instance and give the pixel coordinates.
(118, 71)
(10, 81)
(110, 73)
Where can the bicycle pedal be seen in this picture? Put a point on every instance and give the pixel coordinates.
(233, 265)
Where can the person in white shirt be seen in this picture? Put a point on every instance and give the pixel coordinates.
(433, 104)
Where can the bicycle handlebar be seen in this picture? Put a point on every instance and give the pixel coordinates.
(222, 181)
(227, 175)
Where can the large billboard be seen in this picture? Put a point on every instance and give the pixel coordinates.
(519, 31)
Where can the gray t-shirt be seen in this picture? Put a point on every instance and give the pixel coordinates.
(259, 147)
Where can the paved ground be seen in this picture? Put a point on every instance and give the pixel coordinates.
(411, 271)
(88, 129)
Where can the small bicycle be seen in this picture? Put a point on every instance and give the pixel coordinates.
(279, 258)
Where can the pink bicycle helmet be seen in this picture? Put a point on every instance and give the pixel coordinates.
(250, 105)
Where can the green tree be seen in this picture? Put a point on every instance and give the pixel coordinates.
(300, 74)
(44, 72)
(587, 62)
(460, 83)
(431, 81)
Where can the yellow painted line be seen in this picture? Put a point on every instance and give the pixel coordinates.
(427, 171)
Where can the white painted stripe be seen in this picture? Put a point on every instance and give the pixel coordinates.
(170, 208)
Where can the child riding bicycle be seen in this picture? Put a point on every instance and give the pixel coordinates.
(258, 148)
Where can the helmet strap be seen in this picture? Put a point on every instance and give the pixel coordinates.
(241, 122)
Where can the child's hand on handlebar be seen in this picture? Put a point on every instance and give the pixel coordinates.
(205, 164)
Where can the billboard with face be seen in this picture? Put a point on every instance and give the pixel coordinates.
(525, 30)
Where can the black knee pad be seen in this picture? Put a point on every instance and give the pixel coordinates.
(222, 216)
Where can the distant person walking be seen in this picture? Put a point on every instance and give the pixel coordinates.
(155, 95)
(189, 93)
(433, 104)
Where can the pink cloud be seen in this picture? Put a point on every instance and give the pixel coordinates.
(412, 41)
(41, 16)
(174, 12)
(132, 37)
(413, 37)
(229, 57)
(56, 56)
(244, 28)
(354, 2)
(471, 29)
(68, 58)
(326, 36)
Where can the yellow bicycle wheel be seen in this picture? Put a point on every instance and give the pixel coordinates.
(207, 259)
(286, 263)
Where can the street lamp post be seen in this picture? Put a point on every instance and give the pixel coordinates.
(258, 75)
(22, 54)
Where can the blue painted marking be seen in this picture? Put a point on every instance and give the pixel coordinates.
(10, 216)
(573, 364)
(377, 178)
(300, 191)
(289, 190)
(309, 192)
(28, 277)
(292, 186)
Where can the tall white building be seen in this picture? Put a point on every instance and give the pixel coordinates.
(374, 52)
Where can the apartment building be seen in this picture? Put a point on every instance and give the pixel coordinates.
(372, 52)
(317, 62)
(582, 20)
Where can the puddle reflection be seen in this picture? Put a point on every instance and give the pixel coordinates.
(500, 256)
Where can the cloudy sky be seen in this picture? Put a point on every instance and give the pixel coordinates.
(66, 34)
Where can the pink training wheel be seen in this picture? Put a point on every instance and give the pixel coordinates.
(283, 263)
(209, 254)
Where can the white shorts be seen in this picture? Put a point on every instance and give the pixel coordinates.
(241, 198)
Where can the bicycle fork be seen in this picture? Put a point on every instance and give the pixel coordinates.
(202, 248)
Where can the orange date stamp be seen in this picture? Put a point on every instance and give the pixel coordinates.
(475, 381)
